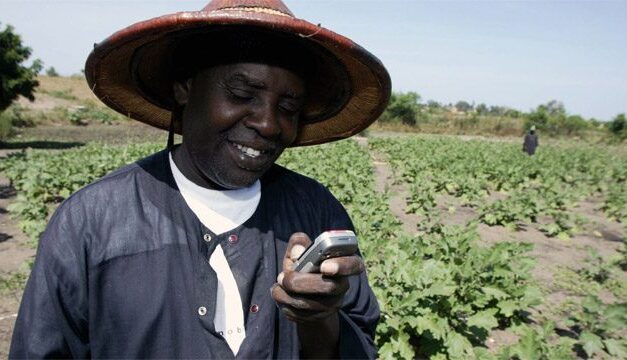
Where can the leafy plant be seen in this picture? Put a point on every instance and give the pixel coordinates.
(80, 115)
(403, 107)
(439, 291)
(596, 269)
(14, 116)
(540, 190)
(52, 72)
(43, 180)
(60, 94)
(15, 281)
(538, 343)
(601, 328)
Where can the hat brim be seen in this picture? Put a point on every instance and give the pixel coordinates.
(111, 70)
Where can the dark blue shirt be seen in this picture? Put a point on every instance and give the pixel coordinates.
(122, 272)
(530, 143)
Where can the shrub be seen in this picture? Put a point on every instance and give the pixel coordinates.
(538, 118)
(61, 94)
(6, 127)
(618, 126)
(52, 72)
(80, 115)
(403, 107)
(12, 117)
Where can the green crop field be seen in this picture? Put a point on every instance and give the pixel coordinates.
(470, 280)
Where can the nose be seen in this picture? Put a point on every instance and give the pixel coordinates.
(265, 121)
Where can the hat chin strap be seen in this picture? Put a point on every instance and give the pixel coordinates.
(176, 115)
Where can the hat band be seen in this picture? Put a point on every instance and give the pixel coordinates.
(256, 9)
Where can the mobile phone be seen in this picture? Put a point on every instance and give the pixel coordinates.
(329, 244)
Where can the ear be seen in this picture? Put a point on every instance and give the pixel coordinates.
(182, 91)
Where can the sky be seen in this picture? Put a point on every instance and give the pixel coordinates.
(518, 54)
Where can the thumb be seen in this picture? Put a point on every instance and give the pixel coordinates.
(296, 246)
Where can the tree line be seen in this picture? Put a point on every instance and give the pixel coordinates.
(407, 108)
(551, 118)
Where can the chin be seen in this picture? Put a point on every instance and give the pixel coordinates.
(236, 182)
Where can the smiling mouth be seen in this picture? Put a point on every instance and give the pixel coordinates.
(248, 151)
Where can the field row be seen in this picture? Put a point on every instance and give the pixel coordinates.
(441, 292)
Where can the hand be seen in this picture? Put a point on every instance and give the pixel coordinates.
(312, 300)
(313, 297)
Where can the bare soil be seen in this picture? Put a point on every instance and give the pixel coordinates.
(15, 251)
(552, 255)
(64, 135)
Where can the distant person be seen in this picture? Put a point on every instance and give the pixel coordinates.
(531, 141)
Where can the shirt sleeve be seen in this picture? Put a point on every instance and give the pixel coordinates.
(358, 320)
(360, 310)
(52, 319)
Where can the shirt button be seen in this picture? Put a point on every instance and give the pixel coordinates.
(233, 239)
(207, 237)
(254, 308)
(202, 311)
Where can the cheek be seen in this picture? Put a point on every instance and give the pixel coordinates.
(290, 132)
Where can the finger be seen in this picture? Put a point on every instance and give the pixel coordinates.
(311, 303)
(312, 283)
(295, 247)
(342, 266)
(302, 311)
(301, 316)
(297, 251)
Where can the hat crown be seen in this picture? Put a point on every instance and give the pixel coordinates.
(261, 5)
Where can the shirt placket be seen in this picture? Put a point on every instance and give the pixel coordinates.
(207, 281)
(206, 294)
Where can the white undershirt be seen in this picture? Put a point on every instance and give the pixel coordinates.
(222, 211)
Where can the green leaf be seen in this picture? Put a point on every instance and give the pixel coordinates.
(436, 326)
(440, 289)
(64, 193)
(592, 344)
(404, 348)
(563, 236)
(533, 296)
(494, 292)
(616, 348)
(490, 219)
(484, 319)
(507, 307)
(458, 346)
(484, 354)
(616, 315)
(528, 348)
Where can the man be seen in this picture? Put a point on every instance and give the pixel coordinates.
(531, 141)
(188, 253)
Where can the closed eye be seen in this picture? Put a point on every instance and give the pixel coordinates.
(289, 108)
(240, 94)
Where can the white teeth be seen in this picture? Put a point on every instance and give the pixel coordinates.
(248, 151)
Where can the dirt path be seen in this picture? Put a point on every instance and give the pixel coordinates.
(15, 251)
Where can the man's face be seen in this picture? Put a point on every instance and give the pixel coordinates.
(237, 120)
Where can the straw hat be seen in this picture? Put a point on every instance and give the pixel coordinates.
(131, 71)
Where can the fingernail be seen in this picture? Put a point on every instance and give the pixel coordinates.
(330, 268)
(279, 279)
(297, 251)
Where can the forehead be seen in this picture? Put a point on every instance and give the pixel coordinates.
(255, 75)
